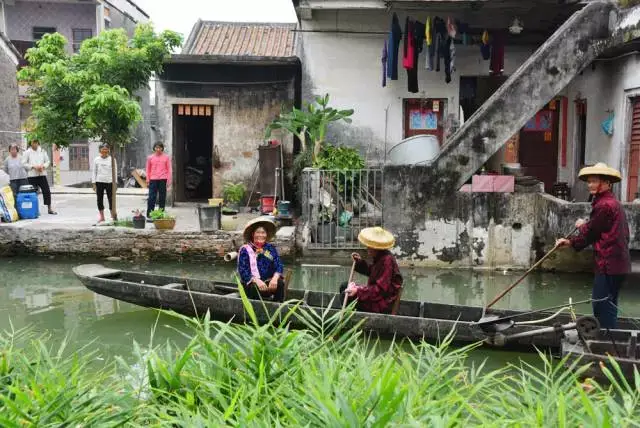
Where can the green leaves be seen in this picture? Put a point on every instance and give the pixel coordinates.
(327, 374)
(311, 121)
(92, 94)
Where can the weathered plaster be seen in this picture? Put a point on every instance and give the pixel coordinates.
(9, 106)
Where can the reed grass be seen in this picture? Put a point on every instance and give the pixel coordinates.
(327, 375)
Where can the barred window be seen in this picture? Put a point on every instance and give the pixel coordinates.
(79, 36)
(79, 157)
(39, 32)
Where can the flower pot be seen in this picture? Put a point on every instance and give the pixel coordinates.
(139, 222)
(165, 223)
(326, 233)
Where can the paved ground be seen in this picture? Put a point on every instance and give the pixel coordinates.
(77, 209)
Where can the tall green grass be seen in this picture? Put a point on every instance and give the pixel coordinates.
(323, 376)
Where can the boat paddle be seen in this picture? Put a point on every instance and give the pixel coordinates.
(519, 280)
(346, 296)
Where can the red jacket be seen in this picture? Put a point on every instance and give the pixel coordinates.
(607, 230)
(384, 283)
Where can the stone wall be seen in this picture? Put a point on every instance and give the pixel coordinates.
(9, 106)
(126, 243)
(482, 230)
(240, 114)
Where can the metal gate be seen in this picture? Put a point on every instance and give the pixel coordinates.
(337, 204)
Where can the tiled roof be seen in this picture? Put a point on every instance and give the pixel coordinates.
(241, 39)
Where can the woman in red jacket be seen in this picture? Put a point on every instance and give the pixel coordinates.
(384, 281)
(607, 230)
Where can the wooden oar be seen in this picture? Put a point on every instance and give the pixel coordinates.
(346, 296)
(501, 295)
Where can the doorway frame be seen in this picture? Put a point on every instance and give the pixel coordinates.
(629, 96)
(172, 103)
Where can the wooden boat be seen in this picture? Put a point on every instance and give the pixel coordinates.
(598, 353)
(413, 319)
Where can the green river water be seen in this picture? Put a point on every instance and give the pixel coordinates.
(44, 294)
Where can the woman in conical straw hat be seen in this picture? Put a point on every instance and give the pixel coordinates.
(259, 264)
(384, 281)
(607, 230)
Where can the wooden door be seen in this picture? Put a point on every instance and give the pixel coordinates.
(424, 116)
(634, 151)
(538, 146)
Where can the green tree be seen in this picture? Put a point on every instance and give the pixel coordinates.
(91, 95)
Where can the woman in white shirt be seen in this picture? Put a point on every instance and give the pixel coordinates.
(36, 161)
(101, 179)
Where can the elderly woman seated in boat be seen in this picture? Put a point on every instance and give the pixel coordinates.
(385, 280)
(259, 264)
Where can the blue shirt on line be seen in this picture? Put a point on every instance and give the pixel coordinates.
(268, 263)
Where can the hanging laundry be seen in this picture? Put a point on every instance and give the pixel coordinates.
(439, 38)
(418, 36)
(395, 35)
(409, 44)
(485, 48)
(385, 56)
(446, 57)
(427, 32)
(452, 53)
(451, 28)
(497, 55)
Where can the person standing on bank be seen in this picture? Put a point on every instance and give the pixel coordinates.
(607, 230)
(385, 280)
(36, 161)
(259, 264)
(17, 174)
(158, 172)
(102, 181)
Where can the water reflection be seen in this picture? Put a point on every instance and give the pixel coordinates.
(45, 294)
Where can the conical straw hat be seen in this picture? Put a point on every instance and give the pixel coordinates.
(600, 168)
(252, 225)
(376, 238)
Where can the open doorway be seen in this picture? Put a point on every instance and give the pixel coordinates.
(193, 136)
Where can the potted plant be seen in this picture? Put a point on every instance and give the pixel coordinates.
(326, 227)
(233, 194)
(163, 220)
(139, 220)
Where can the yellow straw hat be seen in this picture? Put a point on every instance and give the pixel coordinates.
(252, 225)
(376, 238)
(600, 168)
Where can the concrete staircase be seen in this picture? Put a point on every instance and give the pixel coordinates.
(600, 25)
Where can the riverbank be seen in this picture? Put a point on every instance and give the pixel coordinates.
(74, 231)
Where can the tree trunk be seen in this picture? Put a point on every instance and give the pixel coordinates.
(114, 184)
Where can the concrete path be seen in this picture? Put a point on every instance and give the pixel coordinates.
(77, 209)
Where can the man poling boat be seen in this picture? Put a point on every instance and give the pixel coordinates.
(607, 231)
(385, 281)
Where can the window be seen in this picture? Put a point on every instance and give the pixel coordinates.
(79, 36)
(79, 157)
(38, 32)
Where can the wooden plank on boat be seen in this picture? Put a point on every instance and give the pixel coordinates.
(174, 285)
(94, 270)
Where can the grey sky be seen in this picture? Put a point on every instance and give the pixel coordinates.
(180, 15)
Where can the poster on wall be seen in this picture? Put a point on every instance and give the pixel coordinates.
(423, 120)
(541, 122)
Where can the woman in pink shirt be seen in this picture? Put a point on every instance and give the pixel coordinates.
(158, 177)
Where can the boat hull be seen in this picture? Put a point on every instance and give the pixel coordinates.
(414, 319)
